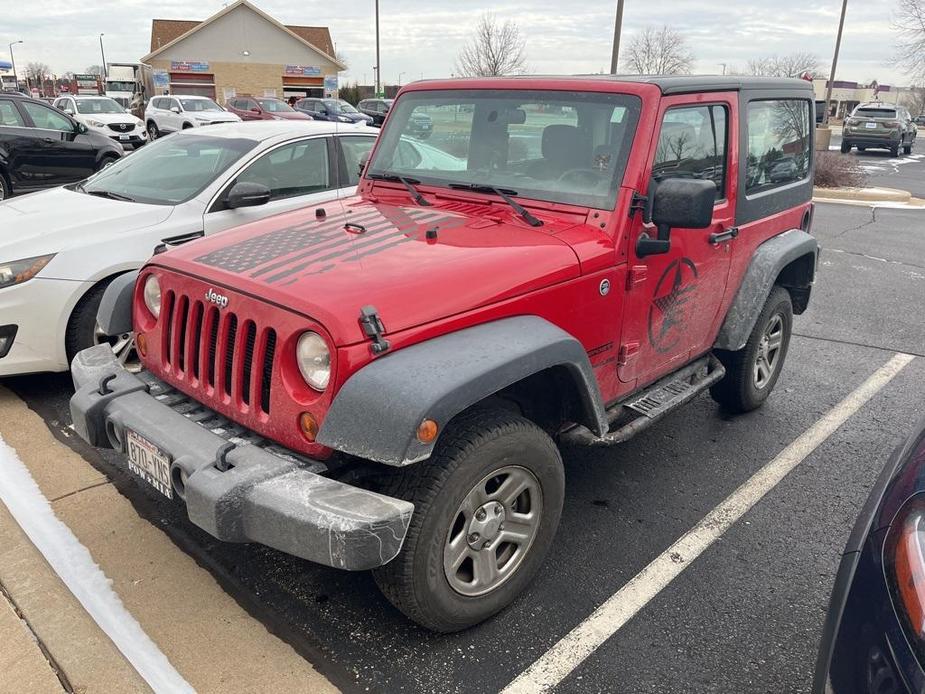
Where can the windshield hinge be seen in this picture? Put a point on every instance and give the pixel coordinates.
(638, 203)
(373, 329)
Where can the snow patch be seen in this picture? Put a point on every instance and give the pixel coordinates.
(83, 577)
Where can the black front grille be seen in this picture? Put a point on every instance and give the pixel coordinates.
(121, 127)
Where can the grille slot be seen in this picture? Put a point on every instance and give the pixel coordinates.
(229, 350)
(213, 344)
(196, 338)
(168, 326)
(250, 338)
(180, 344)
(267, 378)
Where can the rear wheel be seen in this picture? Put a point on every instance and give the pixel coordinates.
(486, 508)
(752, 372)
(845, 147)
(894, 150)
(4, 187)
(907, 149)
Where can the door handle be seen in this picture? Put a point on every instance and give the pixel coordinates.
(727, 235)
(48, 139)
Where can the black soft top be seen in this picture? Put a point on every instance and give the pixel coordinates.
(687, 84)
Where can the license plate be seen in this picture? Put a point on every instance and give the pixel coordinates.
(149, 462)
(870, 125)
(125, 137)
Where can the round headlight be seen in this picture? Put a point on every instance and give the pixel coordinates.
(152, 295)
(314, 360)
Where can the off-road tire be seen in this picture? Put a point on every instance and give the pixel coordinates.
(153, 131)
(737, 391)
(82, 323)
(5, 192)
(473, 445)
(845, 147)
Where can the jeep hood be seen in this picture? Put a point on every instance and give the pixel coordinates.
(378, 254)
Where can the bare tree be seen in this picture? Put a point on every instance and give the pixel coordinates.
(495, 49)
(658, 52)
(909, 24)
(914, 100)
(793, 65)
(94, 70)
(37, 72)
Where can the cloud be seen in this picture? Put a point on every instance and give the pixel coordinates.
(422, 37)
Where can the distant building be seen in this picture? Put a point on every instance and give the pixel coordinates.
(847, 95)
(242, 50)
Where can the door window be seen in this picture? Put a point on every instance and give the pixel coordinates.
(779, 143)
(692, 144)
(9, 115)
(295, 169)
(354, 148)
(47, 118)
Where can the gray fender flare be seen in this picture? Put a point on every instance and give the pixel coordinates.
(115, 312)
(378, 410)
(766, 264)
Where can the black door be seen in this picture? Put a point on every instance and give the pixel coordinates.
(59, 153)
(15, 143)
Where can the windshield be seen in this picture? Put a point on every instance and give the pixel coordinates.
(168, 171)
(339, 106)
(875, 113)
(555, 146)
(116, 86)
(274, 106)
(200, 105)
(91, 106)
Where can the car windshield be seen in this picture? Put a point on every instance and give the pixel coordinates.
(200, 105)
(91, 106)
(120, 86)
(339, 106)
(274, 106)
(556, 146)
(168, 171)
(875, 113)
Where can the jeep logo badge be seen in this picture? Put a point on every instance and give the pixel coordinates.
(219, 300)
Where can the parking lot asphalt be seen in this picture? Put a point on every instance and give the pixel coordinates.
(745, 616)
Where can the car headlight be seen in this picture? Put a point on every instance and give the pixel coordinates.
(152, 295)
(20, 271)
(314, 359)
(95, 123)
(139, 124)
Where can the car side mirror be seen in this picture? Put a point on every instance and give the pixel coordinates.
(175, 109)
(81, 128)
(247, 194)
(255, 110)
(68, 110)
(364, 160)
(677, 202)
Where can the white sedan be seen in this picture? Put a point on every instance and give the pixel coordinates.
(105, 116)
(60, 248)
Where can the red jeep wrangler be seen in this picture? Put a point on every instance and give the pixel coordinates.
(382, 384)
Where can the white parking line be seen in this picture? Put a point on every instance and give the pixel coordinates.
(606, 620)
(76, 568)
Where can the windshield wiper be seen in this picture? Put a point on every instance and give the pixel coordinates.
(505, 194)
(409, 183)
(107, 194)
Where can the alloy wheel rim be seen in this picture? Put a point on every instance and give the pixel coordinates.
(492, 531)
(123, 347)
(769, 351)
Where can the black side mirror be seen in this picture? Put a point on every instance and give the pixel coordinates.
(686, 203)
(81, 128)
(247, 195)
(364, 160)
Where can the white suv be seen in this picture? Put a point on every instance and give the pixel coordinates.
(168, 114)
(105, 116)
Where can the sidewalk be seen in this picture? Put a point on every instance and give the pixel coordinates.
(23, 666)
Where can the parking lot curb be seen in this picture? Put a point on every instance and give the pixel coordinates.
(867, 196)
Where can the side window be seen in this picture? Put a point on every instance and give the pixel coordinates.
(354, 148)
(47, 118)
(692, 144)
(299, 168)
(779, 139)
(9, 115)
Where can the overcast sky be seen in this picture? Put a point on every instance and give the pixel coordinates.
(422, 37)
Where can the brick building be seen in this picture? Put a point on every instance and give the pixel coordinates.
(242, 50)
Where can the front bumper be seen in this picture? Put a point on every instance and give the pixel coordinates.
(275, 499)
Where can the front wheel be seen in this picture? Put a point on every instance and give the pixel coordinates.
(486, 508)
(4, 187)
(907, 149)
(752, 372)
(153, 131)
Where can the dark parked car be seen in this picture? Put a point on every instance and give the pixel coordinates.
(879, 126)
(920, 120)
(375, 109)
(41, 147)
(263, 108)
(874, 635)
(336, 110)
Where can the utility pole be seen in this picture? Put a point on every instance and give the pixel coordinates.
(617, 29)
(13, 61)
(724, 68)
(828, 89)
(103, 54)
(378, 67)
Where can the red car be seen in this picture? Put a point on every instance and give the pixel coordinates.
(263, 108)
(383, 383)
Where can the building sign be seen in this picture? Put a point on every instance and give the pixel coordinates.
(303, 70)
(330, 86)
(161, 79)
(86, 81)
(188, 66)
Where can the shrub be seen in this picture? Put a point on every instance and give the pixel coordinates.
(835, 170)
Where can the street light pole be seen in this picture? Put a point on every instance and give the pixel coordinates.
(13, 61)
(378, 67)
(399, 78)
(103, 54)
(828, 89)
(617, 29)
